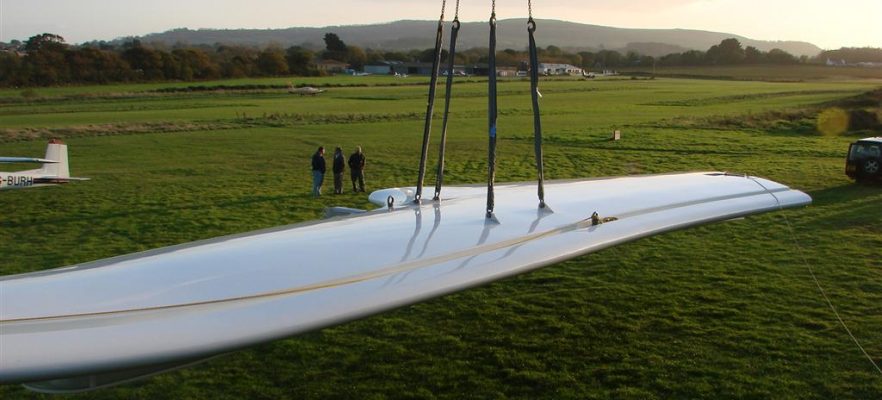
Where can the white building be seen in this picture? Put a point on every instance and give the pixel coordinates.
(559, 69)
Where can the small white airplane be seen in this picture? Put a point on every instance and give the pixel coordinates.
(304, 91)
(55, 170)
(588, 75)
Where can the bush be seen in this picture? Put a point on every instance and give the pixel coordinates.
(862, 119)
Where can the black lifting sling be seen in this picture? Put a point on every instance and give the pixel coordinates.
(430, 106)
(439, 175)
(491, 113)
(534, 94)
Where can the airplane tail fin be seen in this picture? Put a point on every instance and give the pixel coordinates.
(56, 151)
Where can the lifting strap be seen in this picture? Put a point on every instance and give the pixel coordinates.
(534, 94)
(491, 113)
(439, 175)
(431, 105)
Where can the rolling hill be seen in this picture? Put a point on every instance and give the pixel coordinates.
(406, 35)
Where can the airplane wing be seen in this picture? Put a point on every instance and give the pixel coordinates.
(108, 321)
(7, 160)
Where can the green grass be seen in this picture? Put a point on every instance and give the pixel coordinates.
(8, 94)
(774, 73)
(723, 311)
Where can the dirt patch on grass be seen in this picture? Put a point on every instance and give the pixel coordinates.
(863, 114)
(241, 121)
(742, 97)
(293, 119)
(22, 134)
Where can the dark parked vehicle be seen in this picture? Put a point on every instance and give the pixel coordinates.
(864, 161)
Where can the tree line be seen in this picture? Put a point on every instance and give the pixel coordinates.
(853, 55)
(46, 59)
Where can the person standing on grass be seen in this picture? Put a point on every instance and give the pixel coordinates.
(356, 169)
(318, 171)
(339, 166)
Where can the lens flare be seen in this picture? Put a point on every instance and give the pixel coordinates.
(833, 122)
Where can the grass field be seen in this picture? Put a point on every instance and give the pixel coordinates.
(724, 311)
(795, 73)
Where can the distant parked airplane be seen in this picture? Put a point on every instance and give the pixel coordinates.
(304, 91)
(55, 170)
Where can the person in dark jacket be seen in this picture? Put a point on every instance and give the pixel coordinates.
(318, 171)
(339, 166)
(356, 169)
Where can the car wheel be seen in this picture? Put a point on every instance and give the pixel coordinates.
(871, 167)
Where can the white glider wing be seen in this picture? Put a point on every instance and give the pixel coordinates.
(103, 322)
(6, 160)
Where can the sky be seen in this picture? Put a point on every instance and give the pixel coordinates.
(829, 24)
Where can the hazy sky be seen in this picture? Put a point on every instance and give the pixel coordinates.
(826, 23)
